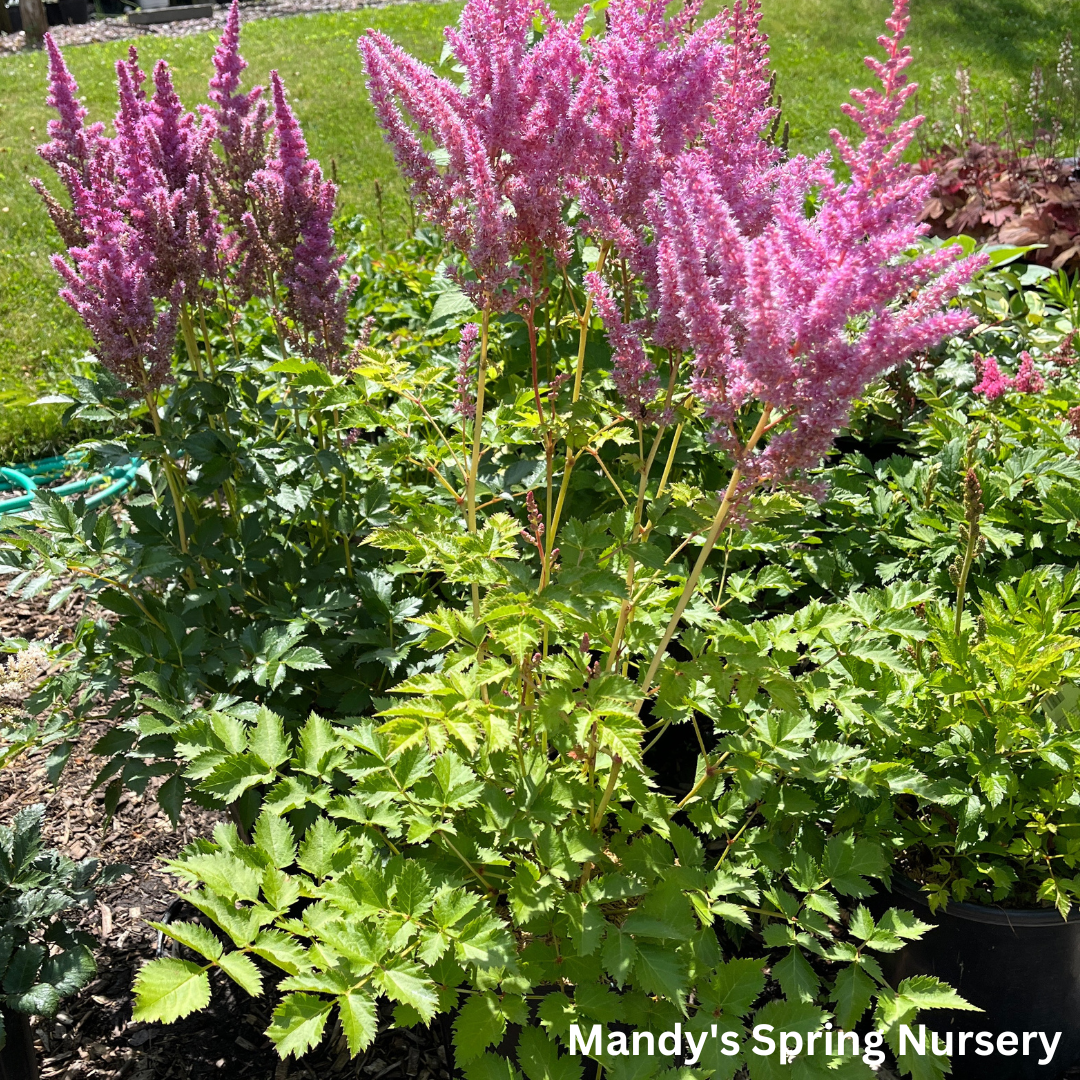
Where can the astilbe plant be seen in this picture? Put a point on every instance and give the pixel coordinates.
(241, 481)
(159, 220)
(494, 840)
(798, 313)
(171, 196)
(773, 319)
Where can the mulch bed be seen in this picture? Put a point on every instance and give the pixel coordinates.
(93, 1037)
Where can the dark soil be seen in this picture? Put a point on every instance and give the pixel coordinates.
(93, 1036)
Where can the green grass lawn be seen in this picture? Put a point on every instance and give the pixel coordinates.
(818, 46)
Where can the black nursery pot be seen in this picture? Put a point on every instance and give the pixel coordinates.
(18, 1058)
(1021, 967)
(14, 17)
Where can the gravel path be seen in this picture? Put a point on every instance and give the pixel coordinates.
(117, 28)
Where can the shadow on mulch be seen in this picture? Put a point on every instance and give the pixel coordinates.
(93, 1037)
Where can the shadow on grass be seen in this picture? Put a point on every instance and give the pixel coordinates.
(1002, 30)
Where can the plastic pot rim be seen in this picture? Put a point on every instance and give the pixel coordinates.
(990, 916)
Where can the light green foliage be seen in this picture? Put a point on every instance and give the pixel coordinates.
(974, 730)
(989, 732)
(425, 821)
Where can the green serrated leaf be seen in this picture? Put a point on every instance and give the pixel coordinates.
(540, 1059)
(359, 1021)
(196, 937)
(406, 984)
(166, 990)
(298, 1023)
(242, 971)
(479, 1024)
(317, 849)
(274, 836)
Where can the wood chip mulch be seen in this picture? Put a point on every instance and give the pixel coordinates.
(93, 1036)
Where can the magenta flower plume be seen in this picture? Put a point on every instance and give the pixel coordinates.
(243, 124)
(1028, 380)
(800, 313)
(291, 226)
(991, 383)
(72, 148)
(290, 176)
(180, 142)
(662, 86)
(71, 143)
(633, 371)
(464, 200)
(232, 106)
(316, 300)
(110, 284)
(510, 143)
(242, 120)
(466, 404)
(164, 159)
(668, 89)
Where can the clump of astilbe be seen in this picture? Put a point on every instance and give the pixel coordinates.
(142, 228)
(990, 383)
(1028, 380)
(292, 209)
(667, 87)
(798, 313)
(164, 161)
(110, 277)
(513, 138)
(158, 198)
(790, 315)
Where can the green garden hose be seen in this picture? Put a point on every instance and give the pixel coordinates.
(30, 477)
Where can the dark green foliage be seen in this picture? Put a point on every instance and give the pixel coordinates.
(43, 959)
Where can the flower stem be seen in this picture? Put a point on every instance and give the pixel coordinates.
(613, 776)
(695, 574)
(476, 873)
(636, 532)
(965, 569)
(170, 476)
(583, 337)
(206, 339)
(474, 463)
(189, 340)
(670, 460)
(583, 326)
(706, 776)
